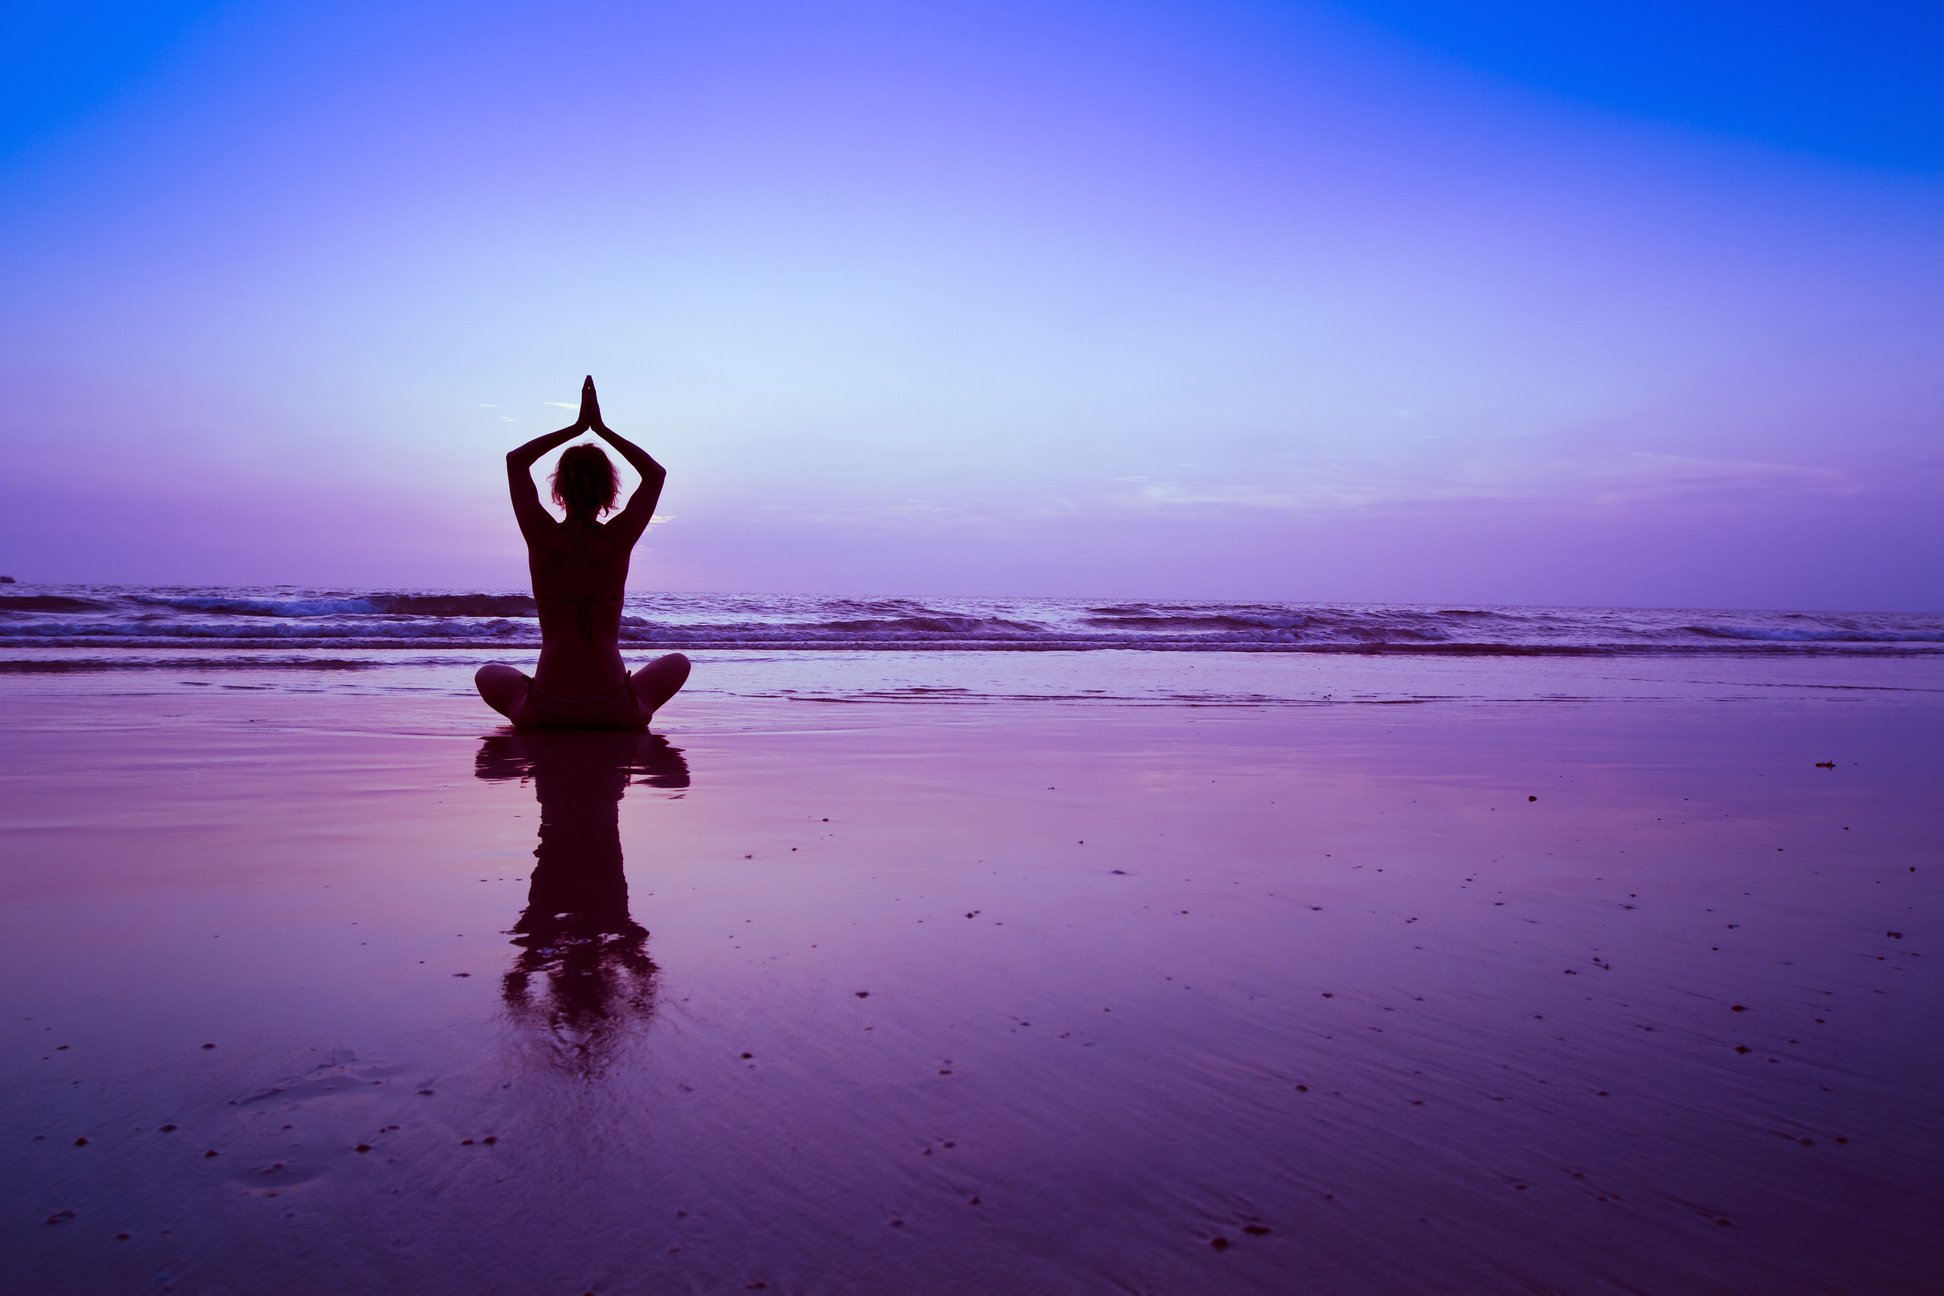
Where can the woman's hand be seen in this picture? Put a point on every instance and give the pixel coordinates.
(590, 409)
(638, 459)
(522, 459)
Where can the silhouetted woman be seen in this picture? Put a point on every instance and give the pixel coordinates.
(580, 570)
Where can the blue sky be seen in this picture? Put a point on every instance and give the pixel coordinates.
(1335, 301)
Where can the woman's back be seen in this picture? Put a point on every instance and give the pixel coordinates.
(580, 573)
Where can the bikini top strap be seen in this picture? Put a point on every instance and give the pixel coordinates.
(583, 610)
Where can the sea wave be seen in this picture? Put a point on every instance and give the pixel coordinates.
(222, 631)
(16, 604)
(289, 617)
(399, 605)
(1823, 635)
(1205, 621)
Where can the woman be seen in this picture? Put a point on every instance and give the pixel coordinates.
(580, 570)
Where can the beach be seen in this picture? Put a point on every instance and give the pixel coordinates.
(943, 974)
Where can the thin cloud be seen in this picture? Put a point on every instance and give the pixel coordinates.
(1602, 479)
(1641, 476)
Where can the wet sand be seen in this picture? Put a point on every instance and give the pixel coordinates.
(1011, 996)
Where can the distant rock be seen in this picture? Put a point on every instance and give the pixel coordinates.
(6, 580)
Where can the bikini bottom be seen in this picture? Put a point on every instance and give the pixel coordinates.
(618, 708)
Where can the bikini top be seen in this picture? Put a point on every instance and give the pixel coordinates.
(583, 611)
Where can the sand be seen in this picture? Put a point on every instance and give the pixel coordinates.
(1011, 995)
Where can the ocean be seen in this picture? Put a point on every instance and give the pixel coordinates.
(130, 619)
(420, 648)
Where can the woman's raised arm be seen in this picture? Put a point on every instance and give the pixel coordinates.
(641, 505)
(532, 516)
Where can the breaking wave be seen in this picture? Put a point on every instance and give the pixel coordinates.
(112, 617)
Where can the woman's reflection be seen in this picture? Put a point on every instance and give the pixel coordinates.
(576, 938)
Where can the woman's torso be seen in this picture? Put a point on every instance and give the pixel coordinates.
(579, 575)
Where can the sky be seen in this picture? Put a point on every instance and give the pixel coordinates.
(1385, 301)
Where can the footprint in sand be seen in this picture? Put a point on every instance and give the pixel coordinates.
(303, 1126)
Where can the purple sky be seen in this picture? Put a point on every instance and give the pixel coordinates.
(1330, 301)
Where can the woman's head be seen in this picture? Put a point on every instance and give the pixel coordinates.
(584, 482)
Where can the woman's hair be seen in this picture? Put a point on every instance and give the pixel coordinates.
(585, 481)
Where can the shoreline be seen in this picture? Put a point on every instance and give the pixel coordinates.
(437, 682)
